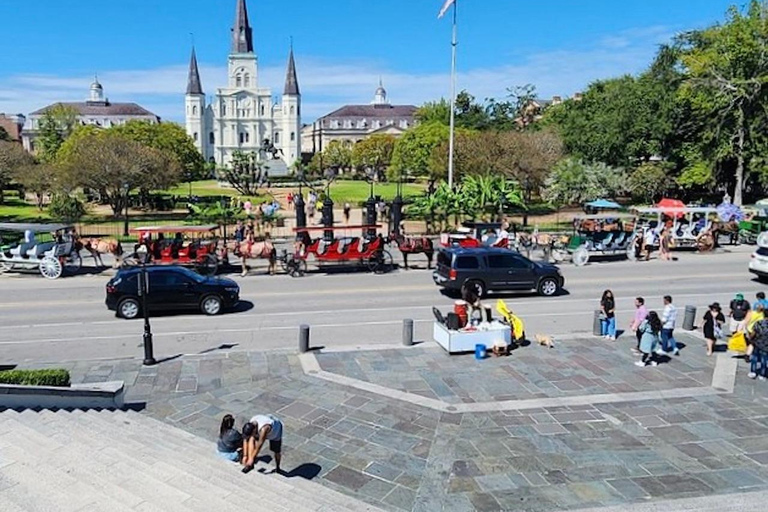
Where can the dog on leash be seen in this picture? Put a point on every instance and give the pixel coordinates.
(545, 341)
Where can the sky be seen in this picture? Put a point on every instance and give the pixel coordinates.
(140, 48)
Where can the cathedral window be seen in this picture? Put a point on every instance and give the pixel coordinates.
(194, 136)
(334, 124)
(223, 110)
(238, 81)
(194, 110)
(246, 80)
(247, 137)
(403, 124)
(277, 137)
(293, 136)
(242, 137)
(377, 124)
(293, 110)
(211, 138)
(261, 109)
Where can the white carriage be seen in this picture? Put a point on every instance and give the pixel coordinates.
(49, 248)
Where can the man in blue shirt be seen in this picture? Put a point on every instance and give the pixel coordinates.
(761, 300)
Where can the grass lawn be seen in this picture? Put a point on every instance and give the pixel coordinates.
(16, 210)
(203, 188)
(356, 192)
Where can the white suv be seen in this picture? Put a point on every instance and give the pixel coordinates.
(758, 264)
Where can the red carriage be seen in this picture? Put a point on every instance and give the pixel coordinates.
(189, 246)
(368, 252)
(477, 234)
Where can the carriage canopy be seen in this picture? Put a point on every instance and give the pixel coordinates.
(35, 228)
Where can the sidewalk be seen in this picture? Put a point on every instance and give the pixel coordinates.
(376, 421)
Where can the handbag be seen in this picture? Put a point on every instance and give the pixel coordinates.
(737, 343)
(718, 332)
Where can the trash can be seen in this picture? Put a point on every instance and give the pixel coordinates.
(690, 318)
(597, 324)
(480, 351)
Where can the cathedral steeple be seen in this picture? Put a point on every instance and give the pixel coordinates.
(291, 82)
(242, 35)
(194, 86)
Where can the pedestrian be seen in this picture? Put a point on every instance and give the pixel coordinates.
(760, 296)
(649, 340)
(230, 441)
(650, 241)
(758, 361)
(754, 316)
(289, 198)
(641, 313)
(738, 315)
(668, 320)
(347, 209)
(608, 315)
(665, 244)
(713, 325)
(256, 432)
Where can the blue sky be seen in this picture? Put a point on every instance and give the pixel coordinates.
(140, 48)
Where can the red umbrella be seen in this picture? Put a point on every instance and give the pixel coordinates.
(671, 207)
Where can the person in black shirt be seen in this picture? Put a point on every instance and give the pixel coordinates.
(608, 315)
(713, 322)
(230, 441)
(739, 314)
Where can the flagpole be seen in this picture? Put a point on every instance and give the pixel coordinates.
(454, 43)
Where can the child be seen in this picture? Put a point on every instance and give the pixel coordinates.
(649, 339)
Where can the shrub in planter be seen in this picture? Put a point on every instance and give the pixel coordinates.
(59, 378)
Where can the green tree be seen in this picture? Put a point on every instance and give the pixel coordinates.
(170, 138)
(726, 69)
(337, 155)
(39, 179)
(12, 158)
(574, 182)
(374, 154)
(435, 111)
(650, 181)
(56, 125)
(113, 165)
(66, 207)
(246, 173)
(412, 155)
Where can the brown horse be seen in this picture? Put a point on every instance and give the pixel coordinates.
(254, 250)
(98, 246)
(413, 245)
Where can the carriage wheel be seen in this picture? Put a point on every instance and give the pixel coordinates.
(208, 265)
(630, 252)
(5, 266)
(72, 263)
(296, 267)
(380, 263)
(580, 256)
(706, 243)
(50, 267)
(283, 258)
(557, 255)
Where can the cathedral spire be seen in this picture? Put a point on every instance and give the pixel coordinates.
(291, 82)
(193, 80)
(242, 35)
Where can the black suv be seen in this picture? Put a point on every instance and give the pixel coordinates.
(492, 269)
(170, 288)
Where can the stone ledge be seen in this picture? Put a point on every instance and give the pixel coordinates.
(103, 394)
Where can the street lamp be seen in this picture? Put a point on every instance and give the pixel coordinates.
(127, 189)
(143, 254)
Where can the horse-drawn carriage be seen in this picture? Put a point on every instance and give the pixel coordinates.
(597, 235)
(53, 253)
(196, 247)
(477, 234)
(369, 252)
(691, 227)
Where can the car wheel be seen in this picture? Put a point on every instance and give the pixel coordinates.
(476, 286)
(211, 305)
(548, 287)
(128, 309)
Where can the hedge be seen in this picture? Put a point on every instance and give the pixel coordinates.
(59, 378)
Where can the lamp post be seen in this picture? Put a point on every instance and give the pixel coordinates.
(370, 208)
(143, 253)
(127, 189)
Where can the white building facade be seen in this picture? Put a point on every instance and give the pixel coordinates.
(243, 116)
(97, 110)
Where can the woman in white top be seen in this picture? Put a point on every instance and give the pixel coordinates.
(262, 428)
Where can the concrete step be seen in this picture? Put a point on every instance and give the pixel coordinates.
(137, 463)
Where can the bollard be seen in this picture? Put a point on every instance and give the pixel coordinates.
(690, 318)
(597, 325)
(408, 332)
(303, 338)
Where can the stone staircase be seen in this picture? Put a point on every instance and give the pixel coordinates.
(103, 460)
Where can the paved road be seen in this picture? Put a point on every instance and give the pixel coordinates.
(66, 319)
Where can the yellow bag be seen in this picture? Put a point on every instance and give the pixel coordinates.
(737, 343)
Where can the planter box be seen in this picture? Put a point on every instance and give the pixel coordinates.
(455, 342)
(102, 394)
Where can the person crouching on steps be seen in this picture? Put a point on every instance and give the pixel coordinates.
(649, 339)
(230, 440)
(262, 428)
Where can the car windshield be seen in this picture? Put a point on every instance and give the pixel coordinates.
(190, 274)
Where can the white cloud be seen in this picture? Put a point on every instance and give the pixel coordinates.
(328, 85)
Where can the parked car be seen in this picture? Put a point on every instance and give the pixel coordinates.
(170, 287)
(758, 264)
(491, 269)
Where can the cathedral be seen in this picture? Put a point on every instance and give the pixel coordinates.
(243, 115)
